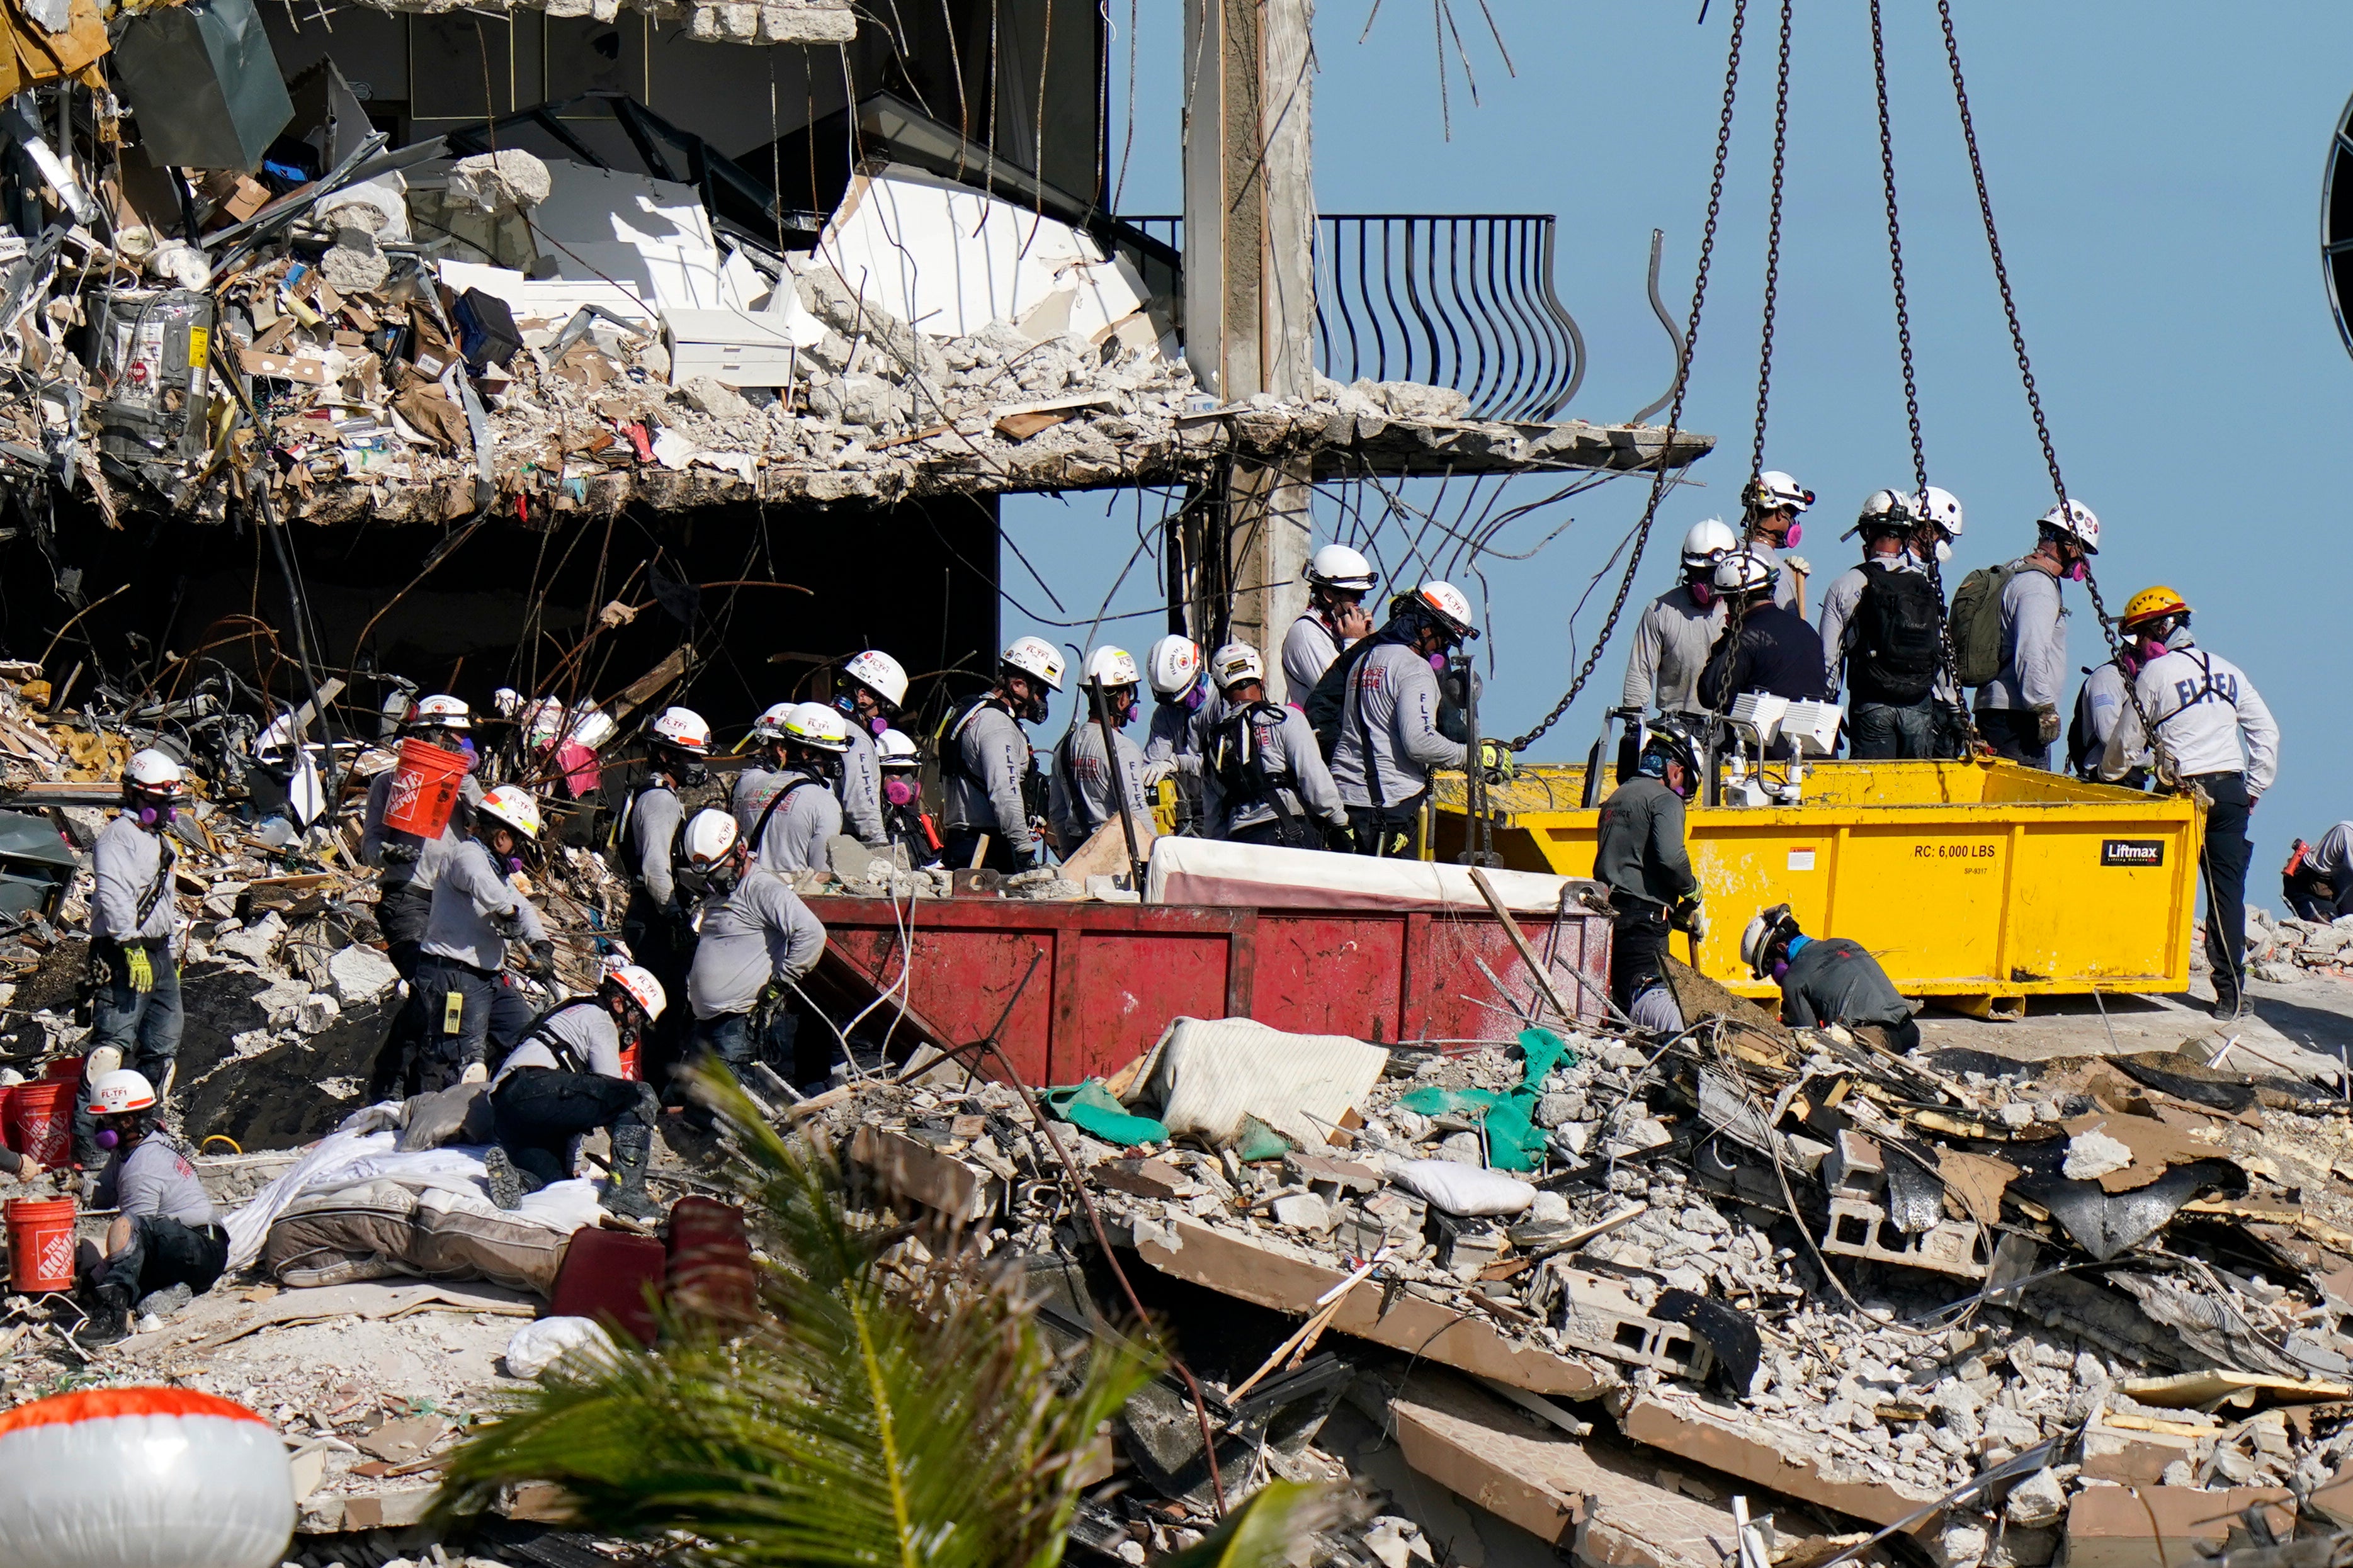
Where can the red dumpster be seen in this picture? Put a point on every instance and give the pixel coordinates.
(1109, 977)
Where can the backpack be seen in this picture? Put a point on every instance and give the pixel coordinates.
(1898, 636)
(1240, 764)
(1976, 624)
(1327, 705)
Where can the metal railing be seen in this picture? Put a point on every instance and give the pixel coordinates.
(1460, 301)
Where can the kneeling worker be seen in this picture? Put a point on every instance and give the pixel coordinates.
(1266, 774)
(1639, 853)
(165, 1236)
(565, 1080)
(1825, 980)
(2318, 881)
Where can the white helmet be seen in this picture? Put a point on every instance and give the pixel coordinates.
(1108, 667)
(1773, 489)
(441, 713)
(880, 674)
(1337, 566)
(512, 806)
(1941, 506)
(151, 773)
(894, 750)
(2077, 522)
(641, 987)
(1234, 663)
(683, 729)
(770, 724)
(1886, 510)
(113, 1093)
(1708, 542)
(818, 726)
(1034, 657)
(1745, 572)
(1756, 941)
(1174, 663)
(709, 836)
(1449, 607)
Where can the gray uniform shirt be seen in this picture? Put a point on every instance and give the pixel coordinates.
(1392, 704)
(1080, 799)
(155, 1178)
(125, 863)
(1670, 646)
(2210, 716)
(1839, 601)
(1785, 587)
(1638, 847)
(415, 875)
(1834, 981)
(2098, 705)
(467, 898)
(1288, 745)
(795, 836)
(1308, 650)
(759, 932)
(654, 818)
(860, 787)
(1172, 742)
(2331, 857)
(750, 796)
(985, 794)
(586, 1031)
(2033, 644)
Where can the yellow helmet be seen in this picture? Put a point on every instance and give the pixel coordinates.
(2151, 603)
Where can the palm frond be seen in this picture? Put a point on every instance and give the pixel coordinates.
(862, 1421)
(1261, 1532)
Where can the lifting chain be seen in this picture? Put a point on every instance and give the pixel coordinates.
(1683, 383)
(2165, 771)
(1911, 377)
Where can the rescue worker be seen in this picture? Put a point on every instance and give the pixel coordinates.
(1825, 980)
(2100, 701)
(1639, 854)
(654, 923)
(405, 888)
(565, 1080)
(1941, 524)
(1338, 578)
(802, 812)
(985, 762)
(1882, 632)
(133, 920)
(905, 821)
(765, 740)
(868, 691)
(757, 940)
(1268, 781)
(1081, 798)
(1770, 505)
(1762, 647)
(1388, 738)
(1677, 628)
(462, 1001)
(1184, 707)
(2318, 881)
(2018, 711)
(163, 1239)
(2214, 734)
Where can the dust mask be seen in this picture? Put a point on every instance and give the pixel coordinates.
(898, 792)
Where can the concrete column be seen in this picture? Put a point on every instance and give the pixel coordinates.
(1249, 276)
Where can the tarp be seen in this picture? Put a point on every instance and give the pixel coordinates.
(1211, 871)
(1207, 1074)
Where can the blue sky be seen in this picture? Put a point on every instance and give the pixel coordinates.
(2156, 171)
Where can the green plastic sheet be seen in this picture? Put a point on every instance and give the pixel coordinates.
(1514, 1141)
(1091, 1108)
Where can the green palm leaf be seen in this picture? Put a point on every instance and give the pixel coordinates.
(869, 1418)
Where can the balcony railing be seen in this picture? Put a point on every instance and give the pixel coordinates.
(1460, 301)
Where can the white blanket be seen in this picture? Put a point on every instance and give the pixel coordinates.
(452, 1177)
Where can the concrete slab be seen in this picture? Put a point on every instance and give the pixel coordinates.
(2312, 1012)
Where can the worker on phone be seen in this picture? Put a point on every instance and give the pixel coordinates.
(1338, 578)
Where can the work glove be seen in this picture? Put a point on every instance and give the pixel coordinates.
(543, 959)
(400, 854)
(508, 924)
(1689, 915)
(142, 970)
(2046, 723)
(475, 1073)
(1495, 758)
(1339, 838)
(1797, 564)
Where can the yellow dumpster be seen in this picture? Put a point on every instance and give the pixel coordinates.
(1976, 883)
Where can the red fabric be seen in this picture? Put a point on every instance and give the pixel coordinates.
(101, 1404)
(580, 767)
(612, 1277)
(710, 1273)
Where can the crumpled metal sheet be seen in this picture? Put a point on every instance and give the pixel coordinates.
(1915, 1194)
(2105, 1223)
(2207, 1325)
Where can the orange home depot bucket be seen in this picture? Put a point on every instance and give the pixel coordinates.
(424, 789)
(40, 1244)
(629, 1063)
(40, 1121)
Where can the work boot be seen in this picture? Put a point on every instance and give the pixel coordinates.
(625, 1195)
(506, 1181)
(108, 1318)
